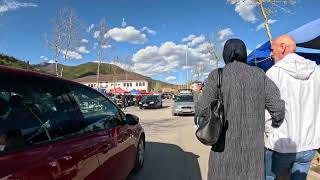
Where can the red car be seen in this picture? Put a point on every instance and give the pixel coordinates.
(52, 128)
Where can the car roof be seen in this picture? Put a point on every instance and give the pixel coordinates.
(29, 73)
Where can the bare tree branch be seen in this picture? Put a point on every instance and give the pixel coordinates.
(66, 36)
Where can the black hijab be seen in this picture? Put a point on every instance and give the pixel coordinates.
(234, 50)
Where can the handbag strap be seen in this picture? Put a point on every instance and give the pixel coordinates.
(220, 84)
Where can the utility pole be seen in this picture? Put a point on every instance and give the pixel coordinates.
(187, 67)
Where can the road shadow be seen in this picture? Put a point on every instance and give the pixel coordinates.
(147, 108)
(182, 115)
(168, 162)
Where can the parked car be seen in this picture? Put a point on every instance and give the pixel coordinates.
(52, 128)
(118, 100)
(166, 96)
(183, 104)
(150, 102)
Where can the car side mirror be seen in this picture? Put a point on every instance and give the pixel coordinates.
(132, 119)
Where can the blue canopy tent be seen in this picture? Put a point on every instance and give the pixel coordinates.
(135, 92)
(306, 36)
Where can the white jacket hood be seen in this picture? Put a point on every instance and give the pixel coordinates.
(297, 66)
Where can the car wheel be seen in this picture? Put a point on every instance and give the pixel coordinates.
(140, 156)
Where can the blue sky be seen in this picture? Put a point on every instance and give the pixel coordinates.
(155, 34)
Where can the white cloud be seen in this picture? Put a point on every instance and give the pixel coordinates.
(90, 28)
(106, 46)
(82, 49)
(124, 23)
(189, 38)
(186, 67)
(148, 30)
(11, 5)
(224, 33)
(249, 51)
(44, 58)
(194, 40)
(71, 54)
(103, 62)
(128, 34)
(95, 45)
(96, 34)
(84, 40)
(171, 78)
(206, 73)
(169, 57)
(261, 26)
(52, 62)
(245, 8)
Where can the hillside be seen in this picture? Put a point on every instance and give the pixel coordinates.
(13, 62)
(73, 72)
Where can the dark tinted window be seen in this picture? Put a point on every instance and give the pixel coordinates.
(99, 113)
(36, 111)
(149, 98)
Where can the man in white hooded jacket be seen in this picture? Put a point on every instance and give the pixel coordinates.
(293, 144)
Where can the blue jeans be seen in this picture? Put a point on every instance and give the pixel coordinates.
(297, 163)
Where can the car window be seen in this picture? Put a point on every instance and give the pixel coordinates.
(149, 98)
(184, 99)
(99, 113)
(34, 112)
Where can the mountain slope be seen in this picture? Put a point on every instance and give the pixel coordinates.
(72, 72)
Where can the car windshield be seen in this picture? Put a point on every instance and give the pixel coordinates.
(184, 99)
(149, 98)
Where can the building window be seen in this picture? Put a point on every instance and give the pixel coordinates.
(130, 84)
(136, 84)
(139, 83)
(124, 84)
(143, 84)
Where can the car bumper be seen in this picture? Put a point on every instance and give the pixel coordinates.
(148, 105)
(184, 111)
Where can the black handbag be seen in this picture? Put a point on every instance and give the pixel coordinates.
(213, 126)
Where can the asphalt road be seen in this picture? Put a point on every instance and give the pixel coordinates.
(172, 150)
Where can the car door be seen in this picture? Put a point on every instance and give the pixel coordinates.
(119, 159)
(43, 130)
(99, 120)
(116, 151)
(73, 154)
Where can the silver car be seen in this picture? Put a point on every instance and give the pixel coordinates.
(183, 104)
